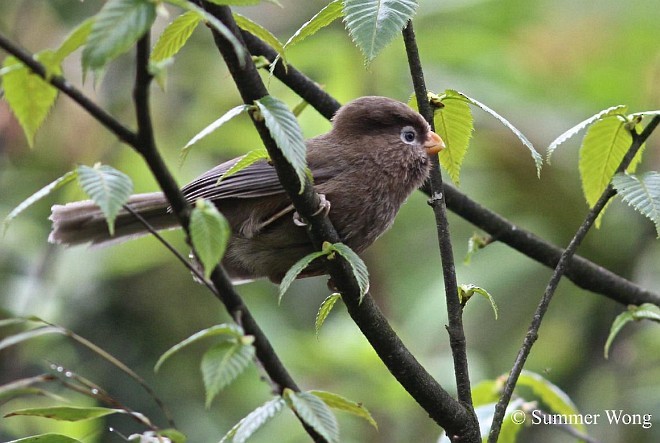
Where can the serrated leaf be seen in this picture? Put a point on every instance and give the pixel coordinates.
(175, 35)
(603, 147)
(466, 291)
(538, 159)
(264, 34)
(296, 269)
(323, 18)
(233, 112)
(107, 187)
(29, 96)
(41, 193)
(286, 132)
(251, 423)
(27, 335)
(222, 363)
(372, 24)
(225, 330)
(75, 39)
(315, 413)
(324, 311)
(46, 438)
(66, 413)
(209, 232)
(340, 403)
(360, 270)
(634, 313)
(454, 124)
(577, 128)
(117, 26)
(642, 193)
(246, 160)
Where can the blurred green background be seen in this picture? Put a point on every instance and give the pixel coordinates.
(544, 65)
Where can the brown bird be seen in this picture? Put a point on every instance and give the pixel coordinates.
(366, 166)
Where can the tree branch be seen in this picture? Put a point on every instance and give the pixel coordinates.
(532, 333)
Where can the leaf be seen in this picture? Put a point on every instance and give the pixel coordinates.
(27, 335)
(251, 423)
(296, 269)
(264, 34)
(107, 187)
(604, 146)
(324, 311)
(360, 271)
(486, 392)
(286, 132)
(475, 243)
(538, 159)
(246, 160)
(644, 311)
(313, 411)
(226, 331)
(642, 193)
(66, 413)
(323, 18)
(454, 124)
(29, 96)
(175, 35)
(24, 387)
(118, 25)
(222, 363)
(46, 438)
(340, 403)
(41, 193)
(75, 39)
(213, 126)
(465, 292)
(372, 24)
(577, 128)
(174, 435)
(209, 232)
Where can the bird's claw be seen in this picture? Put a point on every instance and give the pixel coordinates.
(324, 207)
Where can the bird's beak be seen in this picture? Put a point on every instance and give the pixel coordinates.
(433, 143)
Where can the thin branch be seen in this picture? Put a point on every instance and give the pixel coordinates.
(454, 308)
(532, 333)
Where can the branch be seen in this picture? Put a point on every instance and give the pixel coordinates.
(532, 333)
(446, 411)
(454, 308)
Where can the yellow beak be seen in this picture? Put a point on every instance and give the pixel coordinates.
(433, 143)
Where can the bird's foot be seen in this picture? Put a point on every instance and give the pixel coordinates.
(324, 207)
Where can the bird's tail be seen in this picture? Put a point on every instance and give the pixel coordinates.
(83, 222)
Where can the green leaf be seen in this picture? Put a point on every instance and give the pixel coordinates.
(24, 387)
(209, 232)
(29, 96)
(340, 403)
(118, 25)
(486, 392)
(175, 35)
(642, 193)
(222, 363)
(372, 24)
(233, 112)
(226, 331)
(465, 292)
(66, 413)
(454, 124)
(41, 193)
(475, 243)
(313, 411)
(75, 39)
(107, 187)
(577, 128)
(296, 269)
(246, 160)
(646, 311)
(27, 335)
(324, 311)
(360, 271)
(46, 438)
(286, 132)
(264, 34)
(323, 18)
(251, 423)
(174, 435)
(604, 146)
(538, 159)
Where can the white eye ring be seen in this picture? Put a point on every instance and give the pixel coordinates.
(408, 135)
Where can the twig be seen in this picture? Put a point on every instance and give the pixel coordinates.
(532, 332)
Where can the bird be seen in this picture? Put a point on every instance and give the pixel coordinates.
(373, 158)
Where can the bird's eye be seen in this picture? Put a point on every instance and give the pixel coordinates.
(408, 135)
